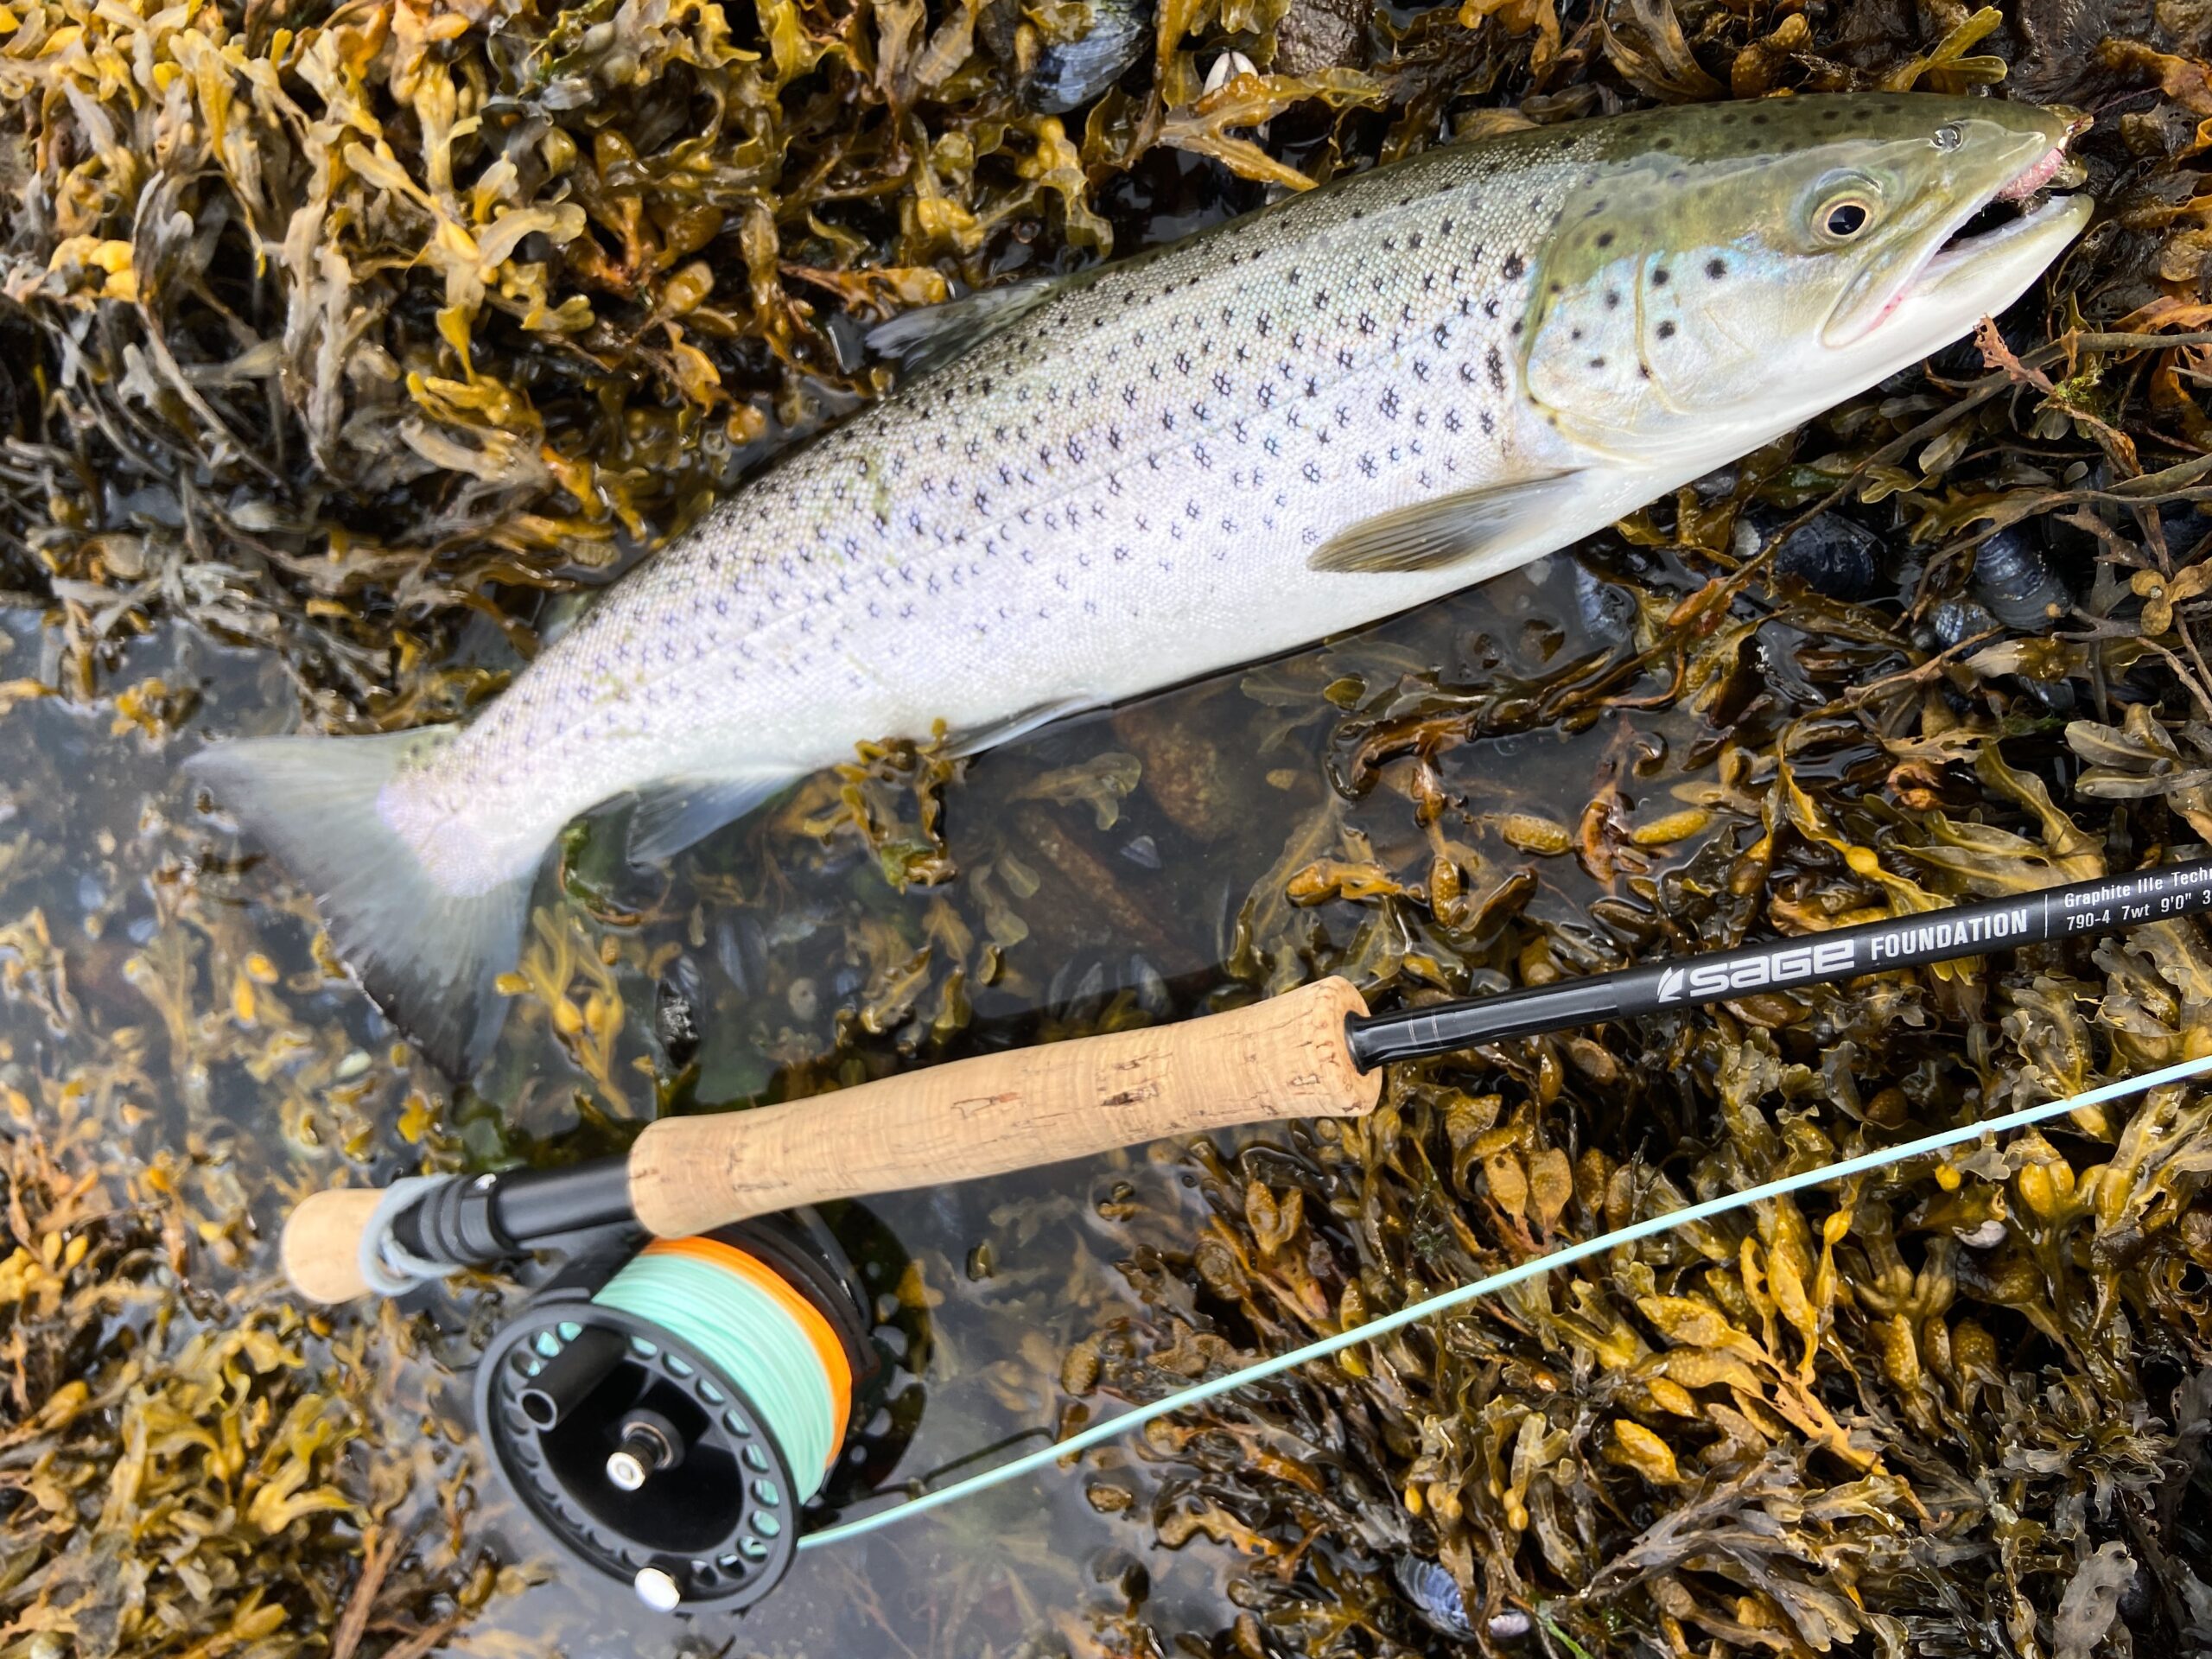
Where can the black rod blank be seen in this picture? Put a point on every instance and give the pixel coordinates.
(2105, 906)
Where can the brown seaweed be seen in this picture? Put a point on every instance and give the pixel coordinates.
(354, 333)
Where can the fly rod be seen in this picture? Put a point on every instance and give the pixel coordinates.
(680, 1411)
(1315, 1052)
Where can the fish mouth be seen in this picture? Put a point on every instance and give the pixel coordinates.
(1993, 228)
(1989, 240)
(2011, 211)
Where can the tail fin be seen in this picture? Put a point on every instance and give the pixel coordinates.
(429, 956)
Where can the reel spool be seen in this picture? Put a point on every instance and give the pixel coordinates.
(668, 1415)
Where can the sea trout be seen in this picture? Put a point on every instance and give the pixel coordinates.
(1364, 397)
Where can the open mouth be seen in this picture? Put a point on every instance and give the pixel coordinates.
(2014, 211)
(1985, 240)
(1996, 224)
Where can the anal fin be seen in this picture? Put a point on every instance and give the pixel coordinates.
(974, 740)
(677, 811)
(1432, 534)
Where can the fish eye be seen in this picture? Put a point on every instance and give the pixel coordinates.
(1840, 208)
(1844, 219)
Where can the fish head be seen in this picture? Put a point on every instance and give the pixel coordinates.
(1723, 272)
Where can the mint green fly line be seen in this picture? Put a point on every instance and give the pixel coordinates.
(1444, 1302)
(750, 1339)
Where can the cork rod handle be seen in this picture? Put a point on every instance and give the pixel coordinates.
(1283, 1058)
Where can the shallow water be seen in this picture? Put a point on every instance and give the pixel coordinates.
(282, 1079)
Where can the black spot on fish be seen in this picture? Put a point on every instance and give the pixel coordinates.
(1716, 269)
(1666, 330)
(1604, 239)
(1659, 278)
(1612, 298)
(1515, 264)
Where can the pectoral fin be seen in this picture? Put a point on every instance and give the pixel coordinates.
(1433, 534)
(929, 337)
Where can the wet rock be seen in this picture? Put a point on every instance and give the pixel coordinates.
(2186, 525)
(1153, 995)
(1070, 73)
(1183, 766)
(1959, 619)
(1606, 608)
(1718, 484)
(996, 23)
(1435, 1594)
(1318, 34)
(741, 950)
(1143, 852)
(678, 1000)
(1078, 989)
(1833, 556)
(2014, 581)
(1098, 886)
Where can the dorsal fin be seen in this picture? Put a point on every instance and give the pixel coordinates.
(931, 336)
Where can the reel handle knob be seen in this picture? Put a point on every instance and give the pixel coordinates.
(1286, 1057)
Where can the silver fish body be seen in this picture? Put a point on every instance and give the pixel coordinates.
(1118, 492)
(1360, 399)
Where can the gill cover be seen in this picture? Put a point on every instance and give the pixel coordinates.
(1716, 257)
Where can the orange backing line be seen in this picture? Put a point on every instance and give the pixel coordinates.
(819, 1336)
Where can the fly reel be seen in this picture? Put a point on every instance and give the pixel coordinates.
(669, 1413)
